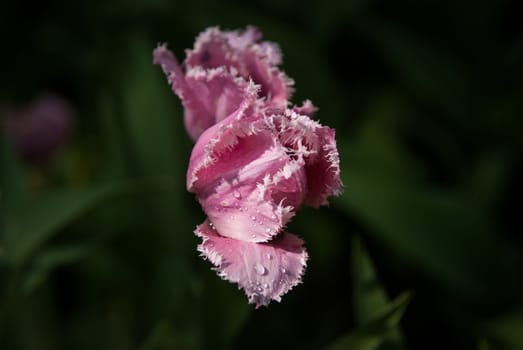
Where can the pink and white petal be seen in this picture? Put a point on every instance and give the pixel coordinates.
(220, 93)
(265, 271)
(307, 108)
(323, 172)
(247, 219)
(237, 190)
(166, 59)
(241, 40)
(212, 49)
(251, 58)
(287, 186)
(210, 162)
(221, 137)
(196, 115)
(315, 145)
(276, 85)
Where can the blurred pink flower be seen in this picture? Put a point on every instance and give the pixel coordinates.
(255, 163)
(38, 130)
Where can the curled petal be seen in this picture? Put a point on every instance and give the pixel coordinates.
(208, 95)
(323, 172)
(307, 108)
(250, 191)
(246, 182)
(243, 51)
(265, 271)
(313, 144)
(220, 138)
(220, 93)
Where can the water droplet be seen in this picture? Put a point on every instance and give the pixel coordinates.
(266, 285)
(237, 194)
(253, 218)
(253, 235)
(224, 203)
(283, 269)
(273, 217)
(260, 269)
(269, 256)
(268, 230)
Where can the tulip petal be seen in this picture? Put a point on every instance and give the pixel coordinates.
(315, 145)
(208, 95)
(253, 59)
(323, 173)
(249, 189)
(239, 191)
(265, 271)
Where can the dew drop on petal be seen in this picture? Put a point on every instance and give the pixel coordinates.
(253, 218)
(237, 194)
(269, 256)
(260, 269)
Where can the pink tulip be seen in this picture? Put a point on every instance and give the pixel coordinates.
(255, 161)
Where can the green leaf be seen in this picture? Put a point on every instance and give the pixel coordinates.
(48, 260)
(31, 223)
(374, 333)
(13, 182)
(370, 299)
(429, 229)
(507, 329)
(447, 233)
(154, 125)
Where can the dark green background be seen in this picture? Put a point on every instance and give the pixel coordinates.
(426, 97)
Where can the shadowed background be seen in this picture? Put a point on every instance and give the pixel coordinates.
(422, 251)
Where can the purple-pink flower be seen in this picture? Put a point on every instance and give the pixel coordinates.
(256, 160)
(39, 129)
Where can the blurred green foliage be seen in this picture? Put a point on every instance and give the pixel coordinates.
(97, 250)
